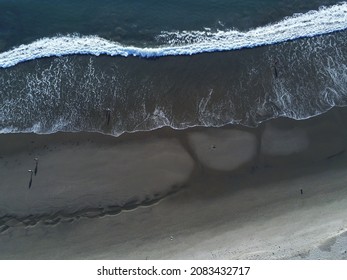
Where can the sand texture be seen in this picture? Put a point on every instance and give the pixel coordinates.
(223, 149)
(77, 175)
(273, 192)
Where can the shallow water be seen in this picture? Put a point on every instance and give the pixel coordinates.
(294, 73)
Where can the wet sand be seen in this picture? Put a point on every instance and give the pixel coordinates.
(273, 192)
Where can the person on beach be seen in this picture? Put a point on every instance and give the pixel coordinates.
(275, 68)
(108, 115)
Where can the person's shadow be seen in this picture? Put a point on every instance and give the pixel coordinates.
(31, 177)
(36, 165)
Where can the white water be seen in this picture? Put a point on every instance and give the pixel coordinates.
(323, 21)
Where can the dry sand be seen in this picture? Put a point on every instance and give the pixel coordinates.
(202, 193)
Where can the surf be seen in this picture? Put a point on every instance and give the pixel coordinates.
(176, 43)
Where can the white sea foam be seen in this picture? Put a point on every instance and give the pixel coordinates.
(322, 21)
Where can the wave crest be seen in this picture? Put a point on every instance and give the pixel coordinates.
(322, 21)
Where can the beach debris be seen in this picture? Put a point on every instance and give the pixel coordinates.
(31, 177)
(36, 165)
(212, 147)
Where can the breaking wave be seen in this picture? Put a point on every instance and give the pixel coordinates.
(318, 22)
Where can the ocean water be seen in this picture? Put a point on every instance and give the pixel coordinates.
(116, 66)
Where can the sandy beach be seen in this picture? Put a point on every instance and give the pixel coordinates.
(277, 191)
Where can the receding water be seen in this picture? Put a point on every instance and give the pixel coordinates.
(275, 63)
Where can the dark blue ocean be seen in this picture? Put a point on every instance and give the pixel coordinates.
(116, 66)
(137, 22)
